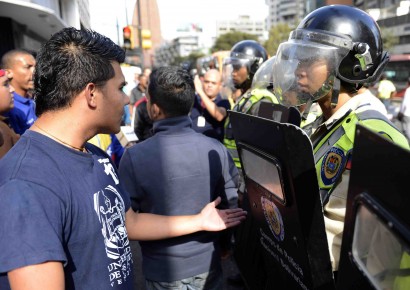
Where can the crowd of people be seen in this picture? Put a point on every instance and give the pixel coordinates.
(73, 196)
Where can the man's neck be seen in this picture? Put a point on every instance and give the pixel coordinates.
(141, 88)
(212, 98)
(327, 109)
(21, 93)
(63, 128)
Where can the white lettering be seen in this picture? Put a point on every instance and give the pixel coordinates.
(269, 245)
(114, 266)
(115, 275)
(109, 169)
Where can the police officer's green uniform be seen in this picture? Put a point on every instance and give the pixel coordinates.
(248, 103)
(333, 152)
(403, 282)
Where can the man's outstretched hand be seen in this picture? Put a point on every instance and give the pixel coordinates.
(214, 219)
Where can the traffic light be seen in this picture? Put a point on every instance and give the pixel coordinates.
(146, 39)
(127, 33)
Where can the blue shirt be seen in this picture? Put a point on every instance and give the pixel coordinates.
(126, 118)
(178, 171)
(23, 115)
(59, 204)
(212, 128)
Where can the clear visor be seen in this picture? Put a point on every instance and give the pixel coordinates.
(263, 78)
(227, 75)
(305, 71)
(231, 64)
(236, 63)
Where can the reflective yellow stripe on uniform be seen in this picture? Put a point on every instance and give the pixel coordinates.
(403, 282)
(244, 105)
(333, 151)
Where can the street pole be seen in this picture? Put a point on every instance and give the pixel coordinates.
(118, 31)
(126, 13)
(139, 33)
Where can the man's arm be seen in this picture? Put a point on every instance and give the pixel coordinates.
(45, 276)
(393, 94)
(218, 113)
(144, 226)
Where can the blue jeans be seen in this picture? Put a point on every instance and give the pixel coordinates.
(212, 280)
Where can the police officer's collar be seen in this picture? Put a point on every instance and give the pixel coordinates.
(351, 105)
(247, 94)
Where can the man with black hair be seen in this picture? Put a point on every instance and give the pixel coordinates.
(7, 136)
(65, 217)
(19, 65)
(178, 171)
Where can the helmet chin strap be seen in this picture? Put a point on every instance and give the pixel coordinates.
(330, 84)
(307, 109)
(245, 85)
(335, 93)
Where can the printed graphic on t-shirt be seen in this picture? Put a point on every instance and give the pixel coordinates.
(109, 169)
(109, 206)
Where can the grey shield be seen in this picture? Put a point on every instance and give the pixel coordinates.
(376, 238)
(282, 244)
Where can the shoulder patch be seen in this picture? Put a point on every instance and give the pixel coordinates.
(332, 165)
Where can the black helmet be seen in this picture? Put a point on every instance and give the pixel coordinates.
(246, 53)
(365, 61)
(347, 38)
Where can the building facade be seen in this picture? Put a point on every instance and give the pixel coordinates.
(393, 16)
(292, 12)
(146, 17)
(285, 11)
(181, 46)
(28, 24)
(242, 24)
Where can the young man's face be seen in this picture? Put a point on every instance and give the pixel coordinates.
(6, 96)
(143, 82)
(311, 76)
(113, 100)
(239, 75)
(21, 71)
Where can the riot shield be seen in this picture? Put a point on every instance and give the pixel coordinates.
(282, 244)
(375, 251)
(279, 113)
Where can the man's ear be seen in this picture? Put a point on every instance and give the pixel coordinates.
(9, 73)
(90, 95)
(154, 111)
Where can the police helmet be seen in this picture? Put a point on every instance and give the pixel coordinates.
(249, 53)
(345, 38)
(246, 53)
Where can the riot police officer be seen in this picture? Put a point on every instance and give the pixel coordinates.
(245, 59)
(331, 54)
